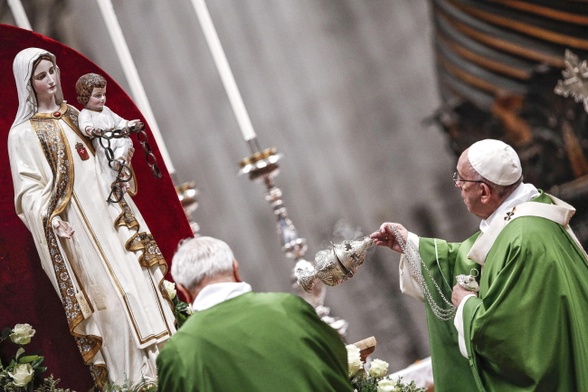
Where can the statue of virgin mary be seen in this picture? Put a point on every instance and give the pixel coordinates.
(99, 256)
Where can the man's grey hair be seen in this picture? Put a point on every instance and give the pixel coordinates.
(199, 258)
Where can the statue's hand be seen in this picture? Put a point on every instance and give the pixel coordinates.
(62, 228)
(136, 126)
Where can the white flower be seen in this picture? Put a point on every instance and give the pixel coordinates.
(353, 359)
(386, 385)
(22, 374)
(170, 289)
(378, 368)
(22, 334)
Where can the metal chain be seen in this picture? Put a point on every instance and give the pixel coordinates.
(416, 262)
(124, 172)
(151, 160)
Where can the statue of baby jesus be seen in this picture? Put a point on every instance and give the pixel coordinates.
(109, 133)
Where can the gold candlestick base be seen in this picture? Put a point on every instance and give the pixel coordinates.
(187, 193)
(260, 164)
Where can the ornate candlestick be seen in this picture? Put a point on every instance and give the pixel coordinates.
(187, 193)
(262, 166)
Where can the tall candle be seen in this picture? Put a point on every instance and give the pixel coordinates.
(20, 16)
(224, 70)
(128, 65)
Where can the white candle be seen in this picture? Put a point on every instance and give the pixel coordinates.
(224, 70)
(20, 16)
(128, 65)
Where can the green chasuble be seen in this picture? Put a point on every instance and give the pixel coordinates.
(444, 260)
(255, 342)
(528, 329)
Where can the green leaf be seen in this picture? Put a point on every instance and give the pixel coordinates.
(182, 307)
(39, 370)
(28, 358)
(19, 352)
(38, 362)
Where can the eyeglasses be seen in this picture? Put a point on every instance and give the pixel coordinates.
(457, 179)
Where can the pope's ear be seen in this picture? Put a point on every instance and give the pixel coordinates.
(485, 192)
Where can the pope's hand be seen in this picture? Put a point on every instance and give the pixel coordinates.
(62, 228)
(386, 236)
(459, 293)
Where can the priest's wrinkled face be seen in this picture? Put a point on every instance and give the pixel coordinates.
(470, 185)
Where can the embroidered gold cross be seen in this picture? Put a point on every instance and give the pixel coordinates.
(509, 214)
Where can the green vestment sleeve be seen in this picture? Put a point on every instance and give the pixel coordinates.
(442, 262)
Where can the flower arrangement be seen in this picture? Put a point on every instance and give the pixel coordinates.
(371, 377)
(182, 310)
(128, 386)
(23, 372)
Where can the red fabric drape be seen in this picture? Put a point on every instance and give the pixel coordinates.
(26, 293)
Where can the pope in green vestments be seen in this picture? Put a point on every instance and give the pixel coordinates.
(239, 340)
(527, 330)
(527, 327)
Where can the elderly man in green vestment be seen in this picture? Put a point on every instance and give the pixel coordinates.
(238, 340)
(525, 326)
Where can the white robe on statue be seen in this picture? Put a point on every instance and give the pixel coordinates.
(109, 274)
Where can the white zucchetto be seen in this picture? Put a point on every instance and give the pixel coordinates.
(496, 161)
